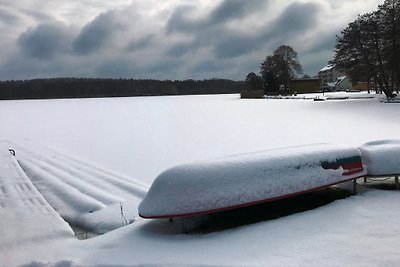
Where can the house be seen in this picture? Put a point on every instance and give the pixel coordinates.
(329, 74)
(342, 83)
(302, 86)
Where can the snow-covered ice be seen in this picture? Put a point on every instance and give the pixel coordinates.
(382, 157)
(245, 179)
(132, 140)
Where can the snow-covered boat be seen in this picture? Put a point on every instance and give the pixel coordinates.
(382, 157)
(249, 179)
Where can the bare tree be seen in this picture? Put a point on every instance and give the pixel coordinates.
(278, 69)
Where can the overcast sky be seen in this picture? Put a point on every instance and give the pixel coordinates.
(160, 39)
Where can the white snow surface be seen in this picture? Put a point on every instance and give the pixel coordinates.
(243, 179)
(382, 157)
(138, 138)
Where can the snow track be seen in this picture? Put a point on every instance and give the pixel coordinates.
(80, 191)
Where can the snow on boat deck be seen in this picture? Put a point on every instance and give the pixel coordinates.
(22, 206)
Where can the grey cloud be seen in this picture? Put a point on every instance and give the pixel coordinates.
(296, 18)
(326, 43)
(45, 41)
(207, 66)
(164, 68)
(179, 22)
(140, 43)
(7, 17)
(227, 11)
(38, 15)
(20, 67)
(234, 9)
(181, 49)
(236, 46)
(117, 68)
(209, 45)
(95, 34)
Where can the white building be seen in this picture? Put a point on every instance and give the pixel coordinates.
(332, 79)
(329, 74)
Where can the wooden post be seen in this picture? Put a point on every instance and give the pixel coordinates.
(396, 179)
(354, 186)
(12, 151)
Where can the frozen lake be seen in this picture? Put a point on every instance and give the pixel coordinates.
(126, 142)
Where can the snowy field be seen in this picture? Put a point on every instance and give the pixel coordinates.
(92, 158)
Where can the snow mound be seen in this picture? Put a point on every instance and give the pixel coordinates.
(381, 157)
(248, 178)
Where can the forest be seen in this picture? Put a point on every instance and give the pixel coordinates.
(96, 87)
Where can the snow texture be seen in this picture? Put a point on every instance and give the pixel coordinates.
(381, 157)
(244, 179)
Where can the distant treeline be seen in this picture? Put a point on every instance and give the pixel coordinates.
(87, 88)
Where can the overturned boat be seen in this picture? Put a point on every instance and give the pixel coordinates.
(249, 179)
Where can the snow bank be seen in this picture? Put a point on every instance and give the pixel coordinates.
(248, 178)
(381, 157)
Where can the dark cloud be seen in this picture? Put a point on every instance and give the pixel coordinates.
(325, 43)
(227, 11)
(181, 49)
(211, 30)
(234, 9)
(234, 46)
(297, 17)
(140, 43)
(96, 34)
(180, 21)
(45, 41)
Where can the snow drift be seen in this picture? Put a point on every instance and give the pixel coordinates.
(249, 179)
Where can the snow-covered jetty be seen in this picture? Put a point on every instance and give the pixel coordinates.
(24, 208)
